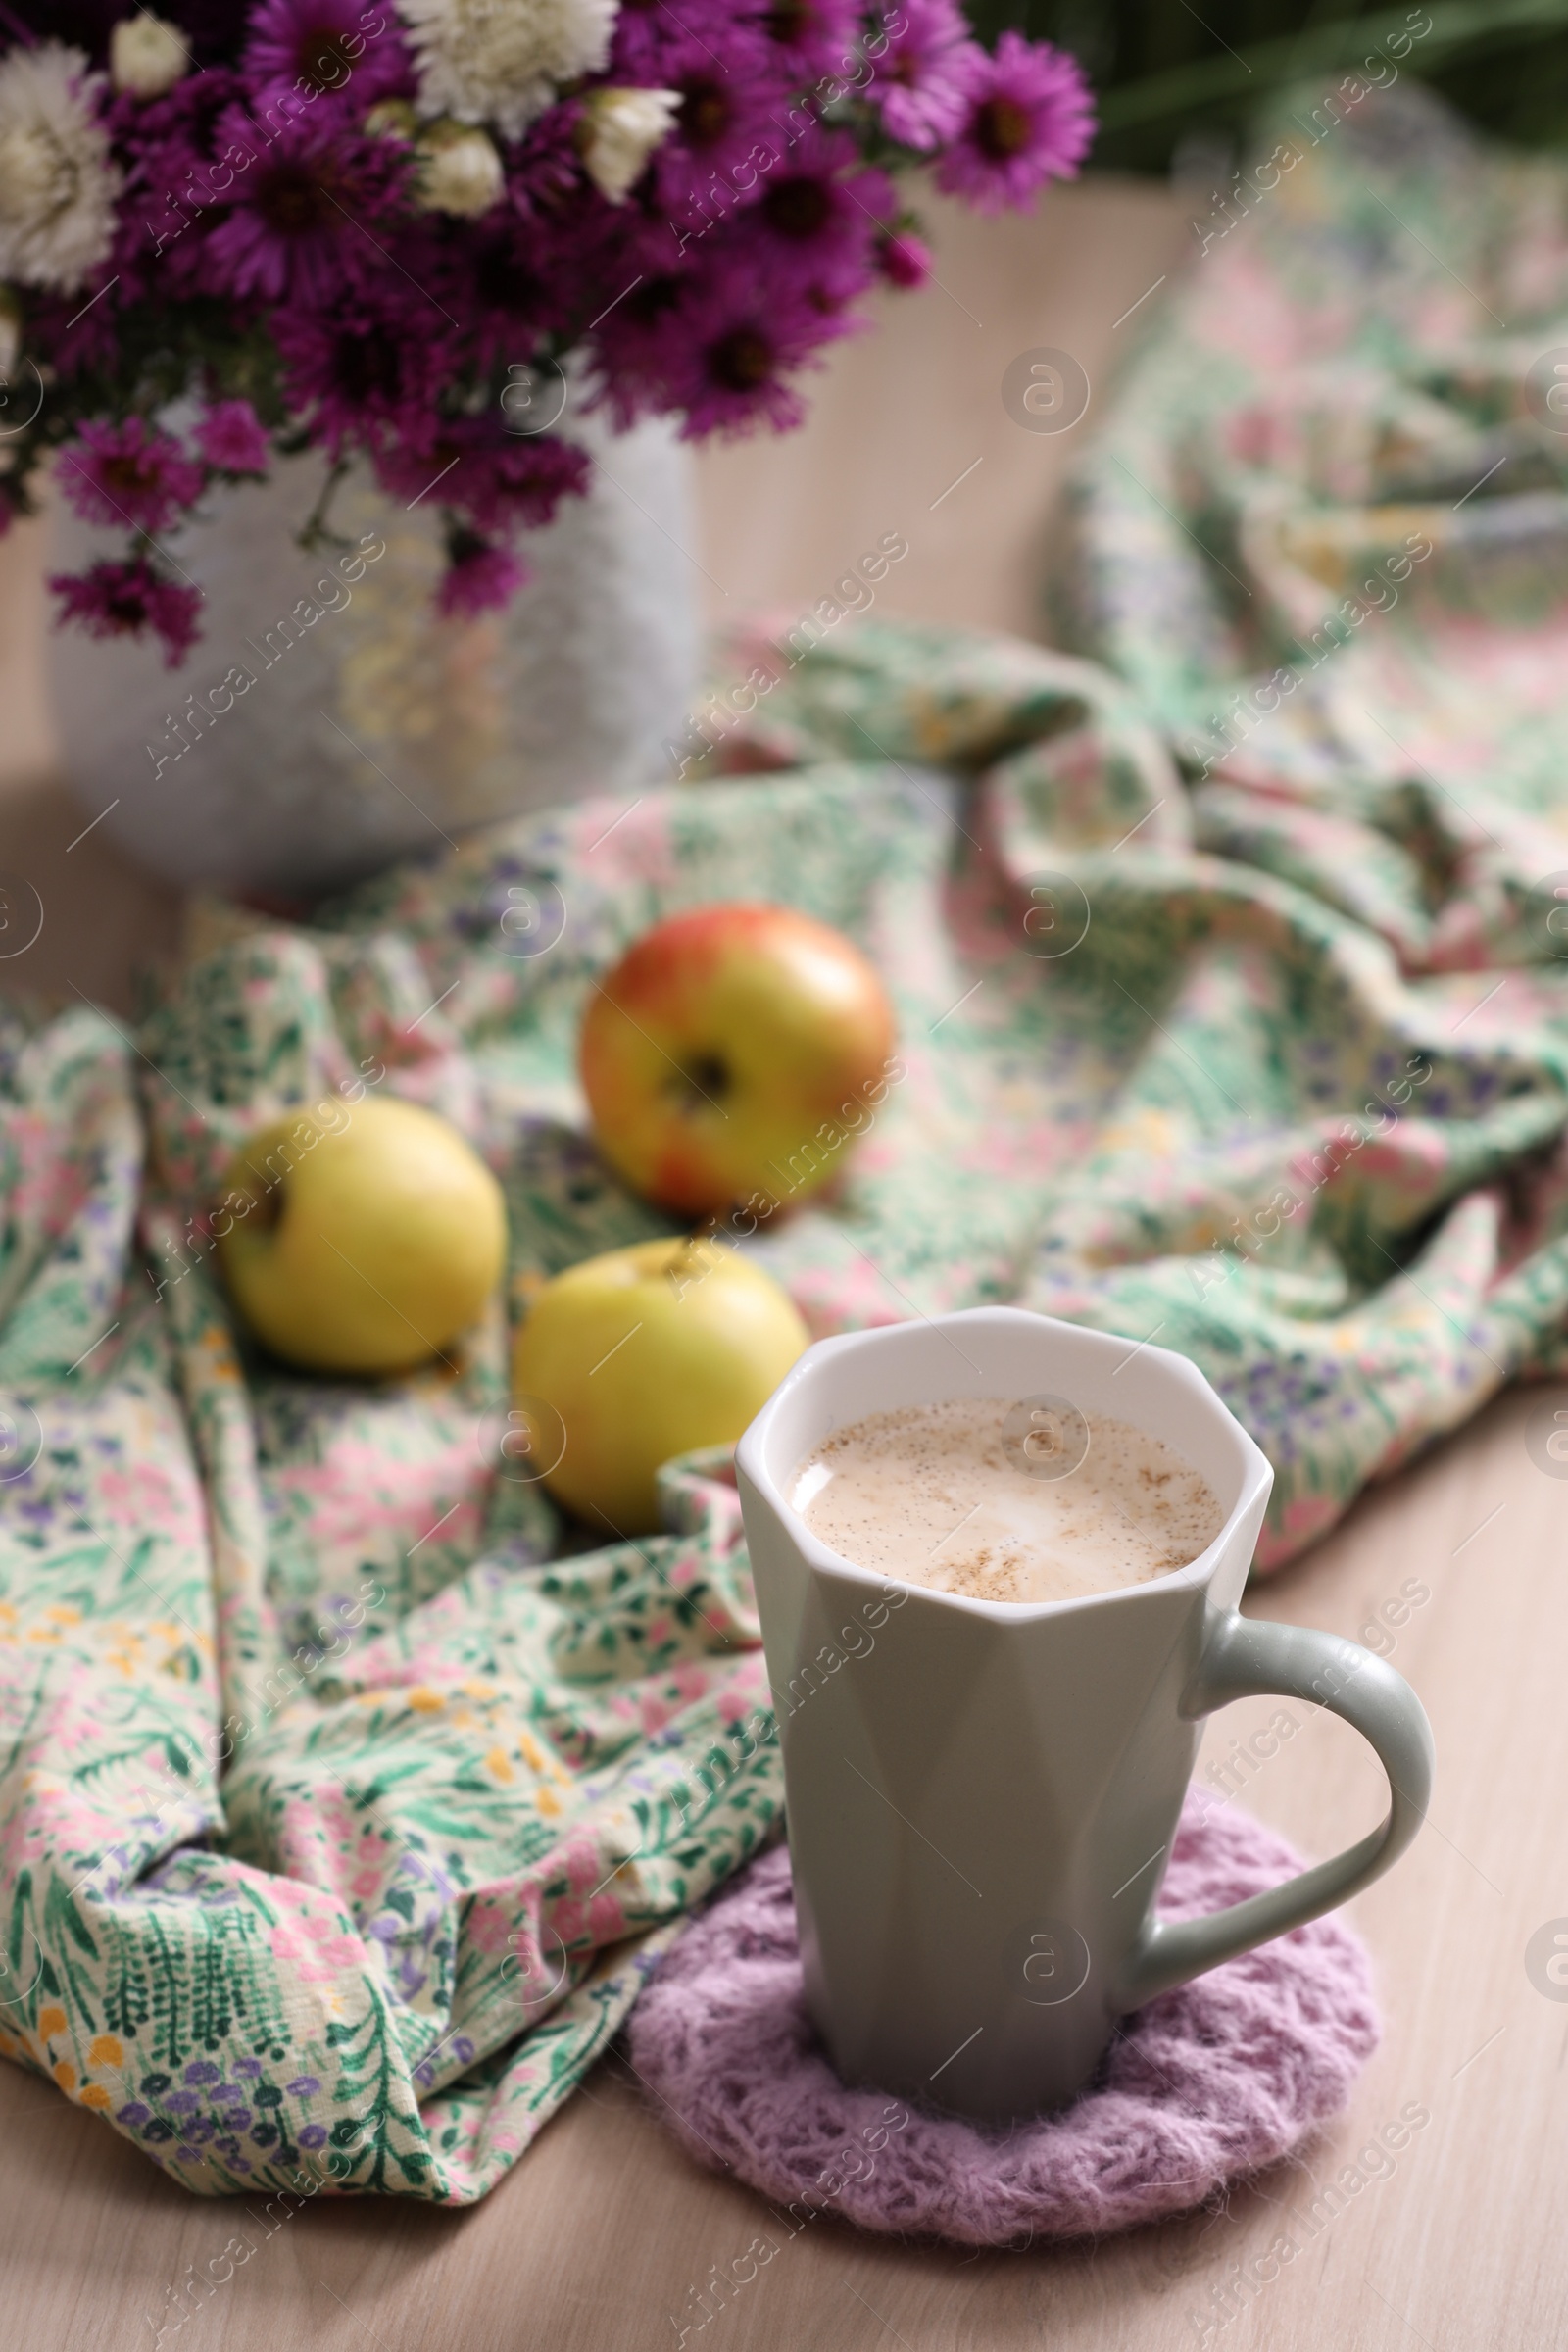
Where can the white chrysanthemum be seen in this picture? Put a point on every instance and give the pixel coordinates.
(57, 182)
(460, 171)
(500, 60)
(146, 56)
(622, 128)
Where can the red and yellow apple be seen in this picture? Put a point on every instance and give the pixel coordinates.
(360, 1238)
(643, 1353)
(734, 1052)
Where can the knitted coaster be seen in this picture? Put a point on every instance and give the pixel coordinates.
(1216, 2079)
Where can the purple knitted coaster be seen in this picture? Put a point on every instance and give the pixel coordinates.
(1214, 2080)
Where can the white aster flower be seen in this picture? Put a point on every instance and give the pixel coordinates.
(621, 128)
(460, 171)
(500, 60)
(391, 118)
(57, 182)
(146, 56)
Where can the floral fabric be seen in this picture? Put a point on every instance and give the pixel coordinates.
(344, 1798)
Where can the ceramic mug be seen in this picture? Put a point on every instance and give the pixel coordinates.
(981, 1794)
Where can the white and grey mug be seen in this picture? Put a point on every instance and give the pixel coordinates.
(981, 1794)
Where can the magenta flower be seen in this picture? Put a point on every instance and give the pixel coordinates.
(515, 288)
(548, 190)
(904, 259)
(366, 371)
(812, 39)
(233, 438)
(738, 380)
(167, 146)
(642, 37)
(500, 481)
(481, 578)
(304, 50)
(126, 600)
(1030, 120)
(817, 211)
(923, 81)
(131, 473)
(729, 121)
(305, 209)
(736, 343)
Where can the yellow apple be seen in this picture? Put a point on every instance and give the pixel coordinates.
(643, 1353)
(359, 1237)
(733, 1056)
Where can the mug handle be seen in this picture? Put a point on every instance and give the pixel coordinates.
(1244, 1657)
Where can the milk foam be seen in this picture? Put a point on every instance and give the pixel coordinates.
(931, 1494)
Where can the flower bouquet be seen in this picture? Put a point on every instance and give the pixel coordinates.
(388, 231)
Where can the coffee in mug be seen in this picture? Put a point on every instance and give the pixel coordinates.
(1025, 1500)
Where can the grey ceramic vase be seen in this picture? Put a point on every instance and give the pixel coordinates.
(377, 730)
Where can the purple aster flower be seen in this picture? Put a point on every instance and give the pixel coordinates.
(643, 32)
(314, 2135)
(233, 438)
(727, 123)
(125, 600)
(810, 38)
(521, 284)
(718, 340)
(641, 343)
(743, 338)
(1030, 120)
(134, 2114)
(303, 2086)
(498, 480)
(920, 85)
(481, 578)
(545, 170)
(304, 207)
(362, 370)
(817, 212)
(904, 259)
(322, 47)
(202, 2070)
(166, 148)
(131, 473)
(247, 2065)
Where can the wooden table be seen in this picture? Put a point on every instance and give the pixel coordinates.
(606, 2235)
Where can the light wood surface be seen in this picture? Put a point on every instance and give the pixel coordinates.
(604, 2236)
